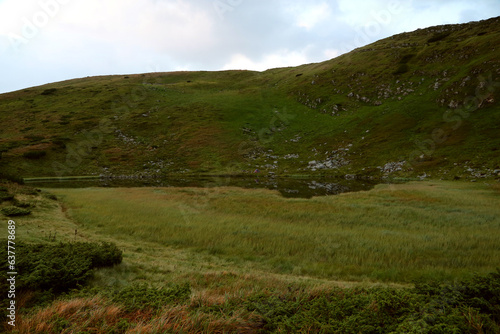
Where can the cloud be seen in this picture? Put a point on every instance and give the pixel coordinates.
(331, 53)
(161, 26)
(283, 58)
(309, 16)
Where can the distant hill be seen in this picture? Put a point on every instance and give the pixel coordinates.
(423, 103)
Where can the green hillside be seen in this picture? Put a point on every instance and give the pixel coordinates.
(419, 103)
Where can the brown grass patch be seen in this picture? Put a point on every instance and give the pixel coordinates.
(413, 197)
(496, 188)
(24, 149)
(76, 314)
(181, 320)
(94, 315)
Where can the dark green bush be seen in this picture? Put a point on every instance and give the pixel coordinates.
(470, 306)
(60, 142)
(29, 191)
(438, 37)
(406, 58)
(14, 211)
(342, 311)
(24, 205)
(34, 154)
(47, 270)
(11, 178)
(403, 68)
(121, 327)
(5, 196)
(49, 91)
(61, 267)
(34, 138)
(141, 296)
(50, 196)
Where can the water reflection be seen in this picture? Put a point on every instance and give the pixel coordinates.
(288, 187)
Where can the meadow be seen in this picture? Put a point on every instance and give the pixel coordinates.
(382, 105)
(394, 233)
(415, 258)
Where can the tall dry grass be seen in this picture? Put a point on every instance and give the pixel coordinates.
(97, 316)
(392, 233)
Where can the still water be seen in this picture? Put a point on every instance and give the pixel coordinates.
(288, 187)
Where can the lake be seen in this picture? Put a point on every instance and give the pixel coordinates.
(287, 186)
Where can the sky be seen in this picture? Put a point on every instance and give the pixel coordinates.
(44, 41)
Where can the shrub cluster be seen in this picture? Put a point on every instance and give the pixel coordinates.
(469, 306)
(5, 195)
(438, 37)
(49, 91)
(406, 58)
(34, 154)
(142, 296)
(14, 211)
(58, 267)
(402, 69)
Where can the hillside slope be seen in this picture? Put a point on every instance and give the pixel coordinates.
(419, 103)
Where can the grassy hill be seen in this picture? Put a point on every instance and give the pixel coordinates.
(415, 103)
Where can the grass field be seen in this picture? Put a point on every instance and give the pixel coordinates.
(394, 233)
(247, 254)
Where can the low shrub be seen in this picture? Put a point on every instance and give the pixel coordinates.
(5, 196)
(50, 196)
(14, 211)
(469, 306)
(44, 271)
(49, 91)
(11, 178)
(34, 154)
(24, 205)
(61, 267)
(34, 138)
(141, 296)
(438, 37)
(29, 191)
(403, 68)
(406, 58)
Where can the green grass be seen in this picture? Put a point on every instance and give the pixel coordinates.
(231, 260)
(212, 122)
(394, 233)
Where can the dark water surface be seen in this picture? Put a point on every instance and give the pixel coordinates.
(288, 187)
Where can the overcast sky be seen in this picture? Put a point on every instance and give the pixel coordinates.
(43, 41)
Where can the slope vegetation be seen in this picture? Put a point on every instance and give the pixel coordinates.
(419, 103)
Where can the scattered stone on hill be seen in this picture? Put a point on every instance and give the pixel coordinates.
(157, 165)
(481, 173)
(248, 131)
(150, 111)
(392, 167)
(126, 139)
(334, 160)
